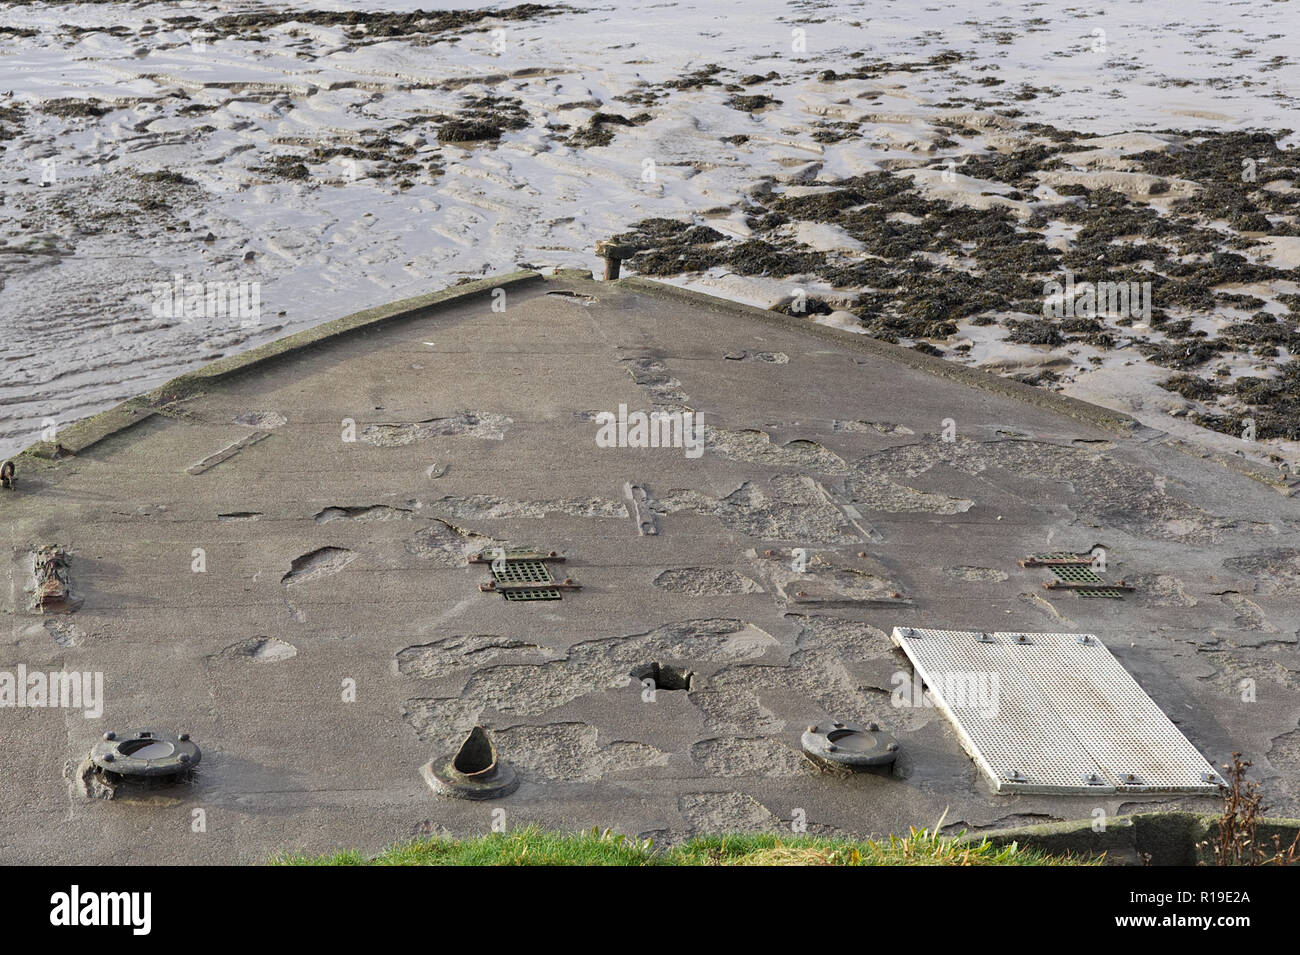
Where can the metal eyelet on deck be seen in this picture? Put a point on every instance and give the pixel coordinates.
(850, 745)
(145, 754)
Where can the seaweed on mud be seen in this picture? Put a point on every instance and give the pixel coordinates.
(877, 68)
(393, 157)
(641, 95)
(1257, 335)
(482, 118)
(379, 149)
(597, 131)
(1223, 268)
(165, 177)
(1181, 355)
(834, 132)
(1016, 168)
(1037, 378)
(1036, 332)
(670, 246)
(1239, 300)
(377, 25)
(1232, 168)
(697, 79)
(12, 119)
(920, 266)
(750, 103)
(757, 257)
(811, 306)
(287, 167)
(72, 108)
(1273, 404)
(1192, 387)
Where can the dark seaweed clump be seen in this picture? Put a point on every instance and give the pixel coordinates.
(697, 79)
(1232, 169)
(375, 25)
(482, 118)
(1273, 406)
(598, 130)
(71, 108)
(394, 158)
(290, 168)
(12, 119)
(165, 177)
(751, 102)
(877, 68)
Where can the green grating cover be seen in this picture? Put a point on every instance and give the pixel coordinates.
(1076, 574)
(1080, 574)
(526, 572)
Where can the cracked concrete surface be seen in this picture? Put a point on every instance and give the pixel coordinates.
(315, 716)
(467, 424)
(322, 562)
(706, 582)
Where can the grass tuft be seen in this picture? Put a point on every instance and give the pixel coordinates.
(535, 846)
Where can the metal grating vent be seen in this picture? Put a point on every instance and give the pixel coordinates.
(522, 574)
(1053, 713)
(525, 572)
(1076, 572)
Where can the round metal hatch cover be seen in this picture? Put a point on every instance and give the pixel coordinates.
(849, 744)
(143, 752)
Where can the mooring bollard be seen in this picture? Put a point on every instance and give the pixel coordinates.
(613, 254)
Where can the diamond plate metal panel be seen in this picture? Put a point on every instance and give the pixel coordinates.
(1066, 716)
(1133, 740)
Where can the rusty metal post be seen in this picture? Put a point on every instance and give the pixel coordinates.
(613, 255)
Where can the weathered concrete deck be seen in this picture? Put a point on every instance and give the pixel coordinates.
(474, 427)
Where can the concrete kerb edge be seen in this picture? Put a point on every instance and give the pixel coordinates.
(83, 434)
(1170, 838)
(1103, 418)
(939, 367)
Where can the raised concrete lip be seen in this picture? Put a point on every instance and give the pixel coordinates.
(83, 434)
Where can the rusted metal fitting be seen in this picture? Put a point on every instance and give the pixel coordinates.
(613, 253)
